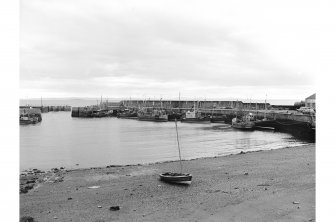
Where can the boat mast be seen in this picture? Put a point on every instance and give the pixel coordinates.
(181, 166)
(266, 96)
(179, 102)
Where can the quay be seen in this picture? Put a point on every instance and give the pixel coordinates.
(46, 109)
(280, 118)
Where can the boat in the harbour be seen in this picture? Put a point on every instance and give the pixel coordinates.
(127, 114)
(178, 178)
(149, 114)
(245, 123)
(218, 118)
(195, 117)
(25, 120)
(174, 116)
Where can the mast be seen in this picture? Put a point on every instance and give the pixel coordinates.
(181, 166)
(265, 106)
(179, 102)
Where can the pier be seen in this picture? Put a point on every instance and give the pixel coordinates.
(280, 118)
(46, 109)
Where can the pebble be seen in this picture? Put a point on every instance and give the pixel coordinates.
(27, 219)
(99, 206)
(114, 208)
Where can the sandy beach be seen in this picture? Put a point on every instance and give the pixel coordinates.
(275, 185)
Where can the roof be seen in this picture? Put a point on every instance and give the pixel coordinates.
(311, 97)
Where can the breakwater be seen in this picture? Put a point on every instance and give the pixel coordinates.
(46, 109)
(281, 118)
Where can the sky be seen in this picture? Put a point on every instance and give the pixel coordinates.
(156, 49)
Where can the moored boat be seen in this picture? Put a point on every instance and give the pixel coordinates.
(195, 117)
(152, 115)
(127, 114)
(25, 120)
(245, 123)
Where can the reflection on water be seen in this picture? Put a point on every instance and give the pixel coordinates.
(60, 140)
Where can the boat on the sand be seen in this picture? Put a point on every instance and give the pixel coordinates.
(181, 178)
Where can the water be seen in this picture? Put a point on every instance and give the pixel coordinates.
(60, 140)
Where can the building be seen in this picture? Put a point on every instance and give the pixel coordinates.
(310, 101)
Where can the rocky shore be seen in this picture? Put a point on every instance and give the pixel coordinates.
(275, 185)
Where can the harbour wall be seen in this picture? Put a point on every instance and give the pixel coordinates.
(45, 109)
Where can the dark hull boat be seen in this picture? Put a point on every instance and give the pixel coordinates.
(195, 117)
(174, 116)
(243, 124)
(152, 115)
(196, 120)
(127, 115)
(218, 119)
(180, 178)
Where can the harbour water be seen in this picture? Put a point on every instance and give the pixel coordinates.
(60, 140)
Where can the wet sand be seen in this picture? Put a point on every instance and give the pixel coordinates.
(275, 185)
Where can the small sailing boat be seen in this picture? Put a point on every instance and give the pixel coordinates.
(179, 178)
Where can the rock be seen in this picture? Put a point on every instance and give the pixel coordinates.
(30, 181)
(55, 217)
(295, 202)
(265, 188)
(246, 173)
(93, 187)
(242, 152)
(114, 208)
(62, 168)
(69, 198)
(99, 206)
(27, 219)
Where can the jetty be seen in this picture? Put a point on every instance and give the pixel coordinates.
(281, 118)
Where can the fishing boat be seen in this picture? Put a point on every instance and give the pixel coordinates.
(25, 120)
(178, 178)
(195, 116)
(156, 115)
(245, 123)
(127, 114)
(218, 118)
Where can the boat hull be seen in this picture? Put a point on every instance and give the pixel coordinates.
(195, 120)
(176, 178)
(154, 119)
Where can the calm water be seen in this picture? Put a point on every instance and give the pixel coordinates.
(60, 140)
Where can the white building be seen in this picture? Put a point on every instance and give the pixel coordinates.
(310, 101)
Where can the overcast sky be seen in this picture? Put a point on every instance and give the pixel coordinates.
(202, 49)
